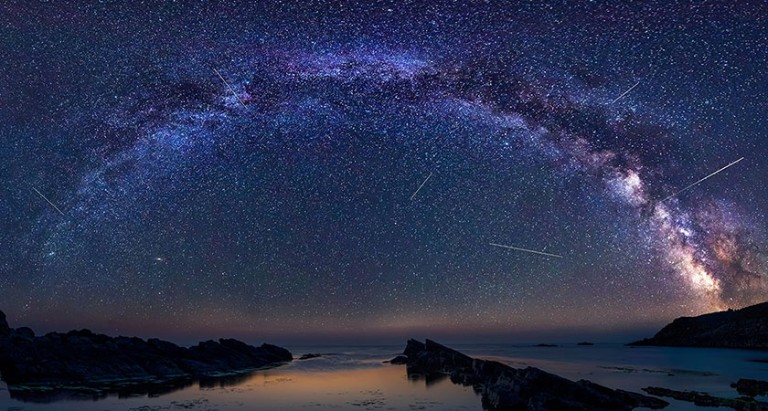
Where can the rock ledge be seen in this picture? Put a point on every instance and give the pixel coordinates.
(505, 388)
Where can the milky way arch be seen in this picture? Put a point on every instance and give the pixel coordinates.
(169, 135)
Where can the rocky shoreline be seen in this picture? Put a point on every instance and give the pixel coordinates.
(85, 364)
(85, 361)
(703, 399)
(504, 388)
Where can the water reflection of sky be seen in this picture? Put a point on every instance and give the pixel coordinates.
(334, 381)
(354, 378)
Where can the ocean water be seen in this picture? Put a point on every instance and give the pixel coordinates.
(350, 378)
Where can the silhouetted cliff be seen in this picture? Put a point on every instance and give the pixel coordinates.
(745, 328)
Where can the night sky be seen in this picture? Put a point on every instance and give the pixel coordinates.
(294, 170)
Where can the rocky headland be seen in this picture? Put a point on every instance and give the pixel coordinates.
(744, 328)
(88, 361)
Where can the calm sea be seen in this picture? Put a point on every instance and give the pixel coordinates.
(354, 378)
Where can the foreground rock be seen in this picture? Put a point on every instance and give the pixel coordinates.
(84, 359)
(705, 400)
(745, 328)
(399, 360)
(746, 386)
(506, 388)
(5, 330)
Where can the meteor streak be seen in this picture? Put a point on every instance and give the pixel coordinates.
(691, 185)
(422, 185)
(49, 201)
(525, 250)
(625, 93)
(230, 88)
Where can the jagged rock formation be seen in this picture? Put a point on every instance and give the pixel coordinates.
(504, 388)
(82, 358)
(745, 328)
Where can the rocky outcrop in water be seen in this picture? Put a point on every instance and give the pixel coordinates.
(400, 359)
(504, 388)
(746, 386)
(705, 400)
(745, 328)
(82, 358)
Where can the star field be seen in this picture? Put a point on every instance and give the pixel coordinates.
(253, 169)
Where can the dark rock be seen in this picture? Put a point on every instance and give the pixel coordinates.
(745, 328)
(546, 345)
(309, 356)
(413, 347)
(505, 388)
(273, 353)
(91, 360)
(585, 343)
(24, 332)
(400, 359)
(434, 356)
(5, 330)
(749, 387)
(705, 400)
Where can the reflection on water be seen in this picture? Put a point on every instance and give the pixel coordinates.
(354, 378)
(430, 378)
(335, 381)
(83, 393)
(379, 387)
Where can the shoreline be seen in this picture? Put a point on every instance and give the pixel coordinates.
(605, 364)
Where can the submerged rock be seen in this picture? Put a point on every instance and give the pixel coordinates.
(309, 356)
(745, 328)
(746, 386)
(705, 400)
(505, 388)
(82, 358)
